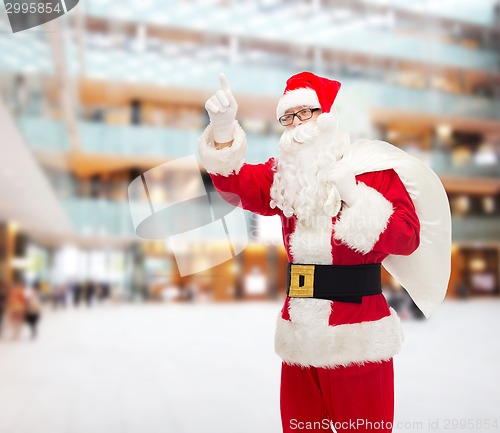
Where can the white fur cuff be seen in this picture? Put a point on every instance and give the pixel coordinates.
(331, 346)
(226, 160)
(361, 225)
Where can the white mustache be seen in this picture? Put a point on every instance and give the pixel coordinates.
(298, 135)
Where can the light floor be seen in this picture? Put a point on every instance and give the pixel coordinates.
(211, 368)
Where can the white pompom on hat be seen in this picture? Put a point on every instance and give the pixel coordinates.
(309, 90)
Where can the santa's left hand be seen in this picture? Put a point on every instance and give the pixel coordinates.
(343, 176)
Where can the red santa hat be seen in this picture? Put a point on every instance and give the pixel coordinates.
(308, 89)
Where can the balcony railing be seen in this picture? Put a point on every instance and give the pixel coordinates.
(475, 228)
(137, 140)
(97, 217)
(99, 138)
(45, 134)
(481, 13)
(441, 162)
(93, 217)
(328, 28)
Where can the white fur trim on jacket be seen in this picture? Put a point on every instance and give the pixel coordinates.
(297, 98)
(313, 243)
(308, 340)
(226, 160)
(360, 225)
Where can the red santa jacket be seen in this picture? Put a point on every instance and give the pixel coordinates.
(316, 332)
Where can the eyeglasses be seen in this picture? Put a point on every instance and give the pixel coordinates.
(304, 114)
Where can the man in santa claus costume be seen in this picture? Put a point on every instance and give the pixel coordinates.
(345, 209)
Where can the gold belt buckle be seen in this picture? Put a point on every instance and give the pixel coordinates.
(307, 289)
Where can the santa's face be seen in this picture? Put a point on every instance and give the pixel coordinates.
(307, 156)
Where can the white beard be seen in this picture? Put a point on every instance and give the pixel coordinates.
(302, 185)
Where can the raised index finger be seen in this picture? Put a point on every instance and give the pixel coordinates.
(223, 82)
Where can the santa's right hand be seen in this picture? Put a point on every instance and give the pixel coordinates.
(221, 108)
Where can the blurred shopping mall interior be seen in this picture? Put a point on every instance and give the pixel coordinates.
(93, 100)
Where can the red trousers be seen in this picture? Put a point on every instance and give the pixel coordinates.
(357, 398)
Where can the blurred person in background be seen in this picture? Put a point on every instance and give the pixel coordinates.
(3, 303)
(33, 309)
(89, 290)
(398, 298)
(77, 290)
(462, 290)
(345, 207)
(16, 309)
(59, 295)
(105, 291)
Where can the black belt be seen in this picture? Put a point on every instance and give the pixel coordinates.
(342, 283)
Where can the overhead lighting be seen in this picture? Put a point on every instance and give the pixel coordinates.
(485, 158)
(21, 262)
(266, 4)
(13, 226)
(461, 205)
(486, 155)
(477, 264)
(444, 131)
(489, 205)
(392, 135)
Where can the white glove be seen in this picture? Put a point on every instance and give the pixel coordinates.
(332, 204)
(221, 108)
(343, 177)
